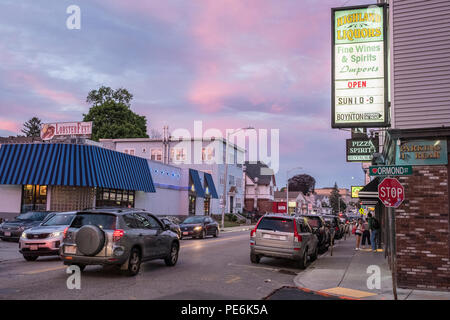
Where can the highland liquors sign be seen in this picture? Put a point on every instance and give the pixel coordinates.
(359, 81)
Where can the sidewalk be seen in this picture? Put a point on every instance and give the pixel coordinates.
(346, 274)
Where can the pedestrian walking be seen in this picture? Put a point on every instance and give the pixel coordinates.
(374, 226)
(366, 234)
(359, 231)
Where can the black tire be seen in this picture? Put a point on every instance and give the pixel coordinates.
(254, 258)
(216, 233)
(90, 240)
(30, 258)
(315, 254)
(303, 261)
(172, 259)
(134, 263)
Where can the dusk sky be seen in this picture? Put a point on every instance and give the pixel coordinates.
(229, 63)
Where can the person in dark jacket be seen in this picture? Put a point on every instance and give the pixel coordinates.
(374, 227)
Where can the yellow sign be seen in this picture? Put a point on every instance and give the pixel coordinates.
(355, 191)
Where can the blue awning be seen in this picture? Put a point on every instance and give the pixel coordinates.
(73, 165)
(197, 183)
(211, 186)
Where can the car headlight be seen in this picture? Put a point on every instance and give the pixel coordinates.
(24, 235)
(56, 234)
(198, 228)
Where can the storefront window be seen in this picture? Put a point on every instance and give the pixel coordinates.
(114, 198)
(192, 203)
(34, 198)
(206, 204)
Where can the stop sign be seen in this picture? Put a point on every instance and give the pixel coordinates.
(391, 192)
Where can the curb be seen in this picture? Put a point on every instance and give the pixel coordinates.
(323, 294)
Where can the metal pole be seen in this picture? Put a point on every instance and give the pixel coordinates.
(224, 202)
(287, 192)
(393, 268)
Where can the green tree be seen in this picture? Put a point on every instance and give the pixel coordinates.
(32, 128)
(336, 201)
(302, 182)
(112, 116)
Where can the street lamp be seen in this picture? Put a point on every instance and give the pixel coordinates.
(225, 175)
(287, 187)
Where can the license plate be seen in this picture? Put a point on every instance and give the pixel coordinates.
(70, 249)
(7, 234)
(35, 247)
(269, 236)
(185, 233)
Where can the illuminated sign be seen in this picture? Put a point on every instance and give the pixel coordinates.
(50, 130)
(359, 67)
(355, 191)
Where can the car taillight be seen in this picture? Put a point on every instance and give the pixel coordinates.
(297, 237)
(253, 232)
(117, 235)
(65, 232)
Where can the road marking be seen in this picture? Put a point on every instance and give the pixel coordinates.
(45, 270)
(340, 291)
(234, 279)
(199, 243)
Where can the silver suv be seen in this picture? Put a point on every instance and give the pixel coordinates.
(282, 236)
(120, 237)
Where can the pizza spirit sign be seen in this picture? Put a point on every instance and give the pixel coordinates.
(359, 71)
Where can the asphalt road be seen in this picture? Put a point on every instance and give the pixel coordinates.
(212, 268)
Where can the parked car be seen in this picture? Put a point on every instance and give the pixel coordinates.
(335, 226)
(323, 232)
(283, 236)
(172, 225)
(120, 237)
(199, 227)
(45, 239)
(12, 230)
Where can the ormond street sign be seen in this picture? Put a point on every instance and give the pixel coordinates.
(390, 170)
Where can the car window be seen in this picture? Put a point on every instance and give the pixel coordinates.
(130, 221)
(154, 224)
(59, 220)
(314, 222)
(276, 224)
(103, 221)
(142, 221)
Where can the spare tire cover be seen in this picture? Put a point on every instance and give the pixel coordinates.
(90, 240)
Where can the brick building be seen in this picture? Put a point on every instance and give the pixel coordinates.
(259, 187)
(419, 136)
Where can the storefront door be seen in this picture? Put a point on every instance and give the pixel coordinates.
(34, 198)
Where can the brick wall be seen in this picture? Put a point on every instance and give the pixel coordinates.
(64, 198)
(422, 230)
(264, 205)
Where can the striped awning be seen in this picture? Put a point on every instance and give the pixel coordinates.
(73, 165)
(197, 183)
(211, 186)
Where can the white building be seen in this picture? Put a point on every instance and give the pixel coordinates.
(203, 155)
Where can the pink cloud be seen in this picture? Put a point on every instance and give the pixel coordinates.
(41, 88)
